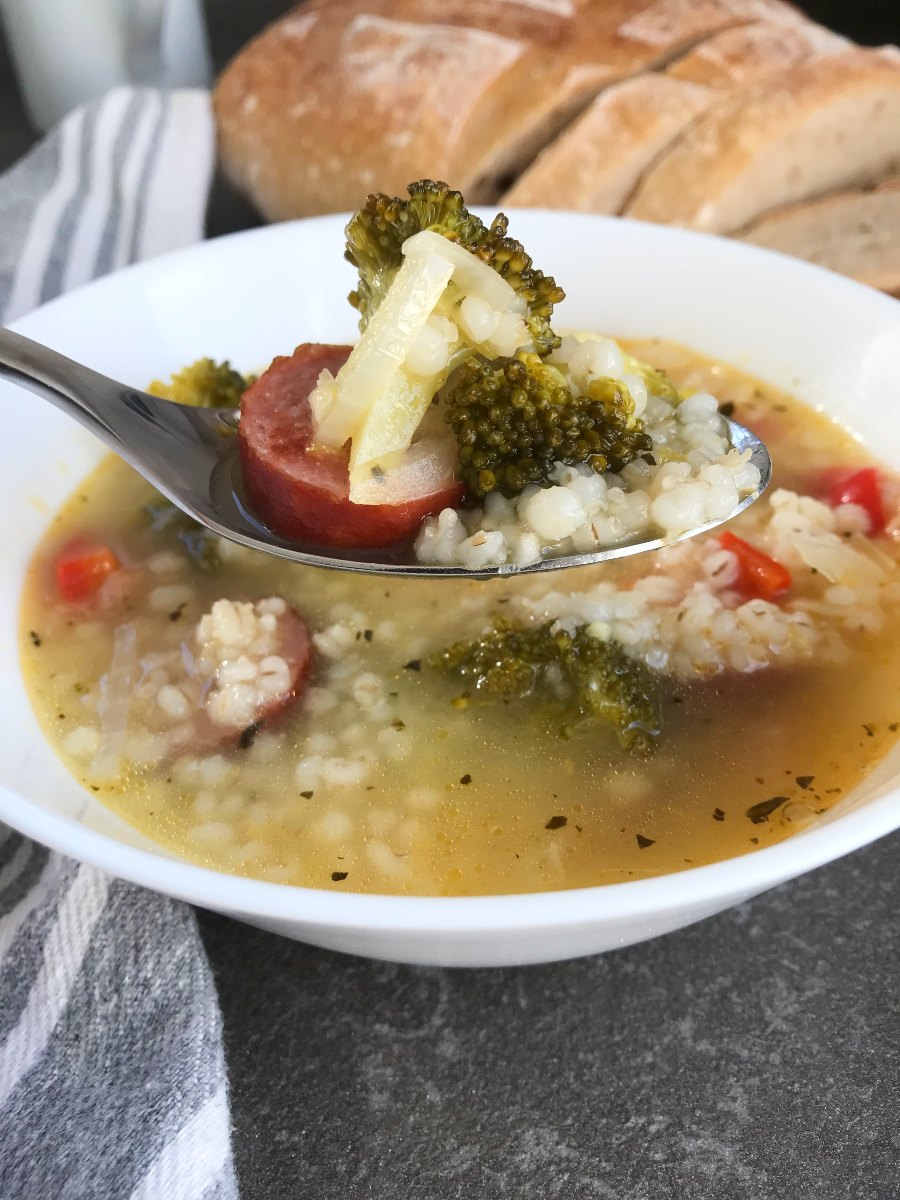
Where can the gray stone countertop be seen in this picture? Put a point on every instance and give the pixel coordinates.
(754, 1056)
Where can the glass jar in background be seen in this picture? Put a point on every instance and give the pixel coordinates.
(68, 51)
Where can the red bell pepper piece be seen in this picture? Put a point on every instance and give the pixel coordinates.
(863, 488)
(758, 575)
(82, 568)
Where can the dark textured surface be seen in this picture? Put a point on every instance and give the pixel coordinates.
(755, 1056)
(751, 1057)
(16, 135)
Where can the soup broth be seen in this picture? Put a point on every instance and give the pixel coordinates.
(391, 776)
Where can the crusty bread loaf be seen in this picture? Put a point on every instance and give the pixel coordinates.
(339, 99)
(598, 161)
(829, 124)
(855, 233)
(723, 115)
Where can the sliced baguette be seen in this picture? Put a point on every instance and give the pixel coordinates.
(598, 161)
(737, 57)
(334, 101)
(855, 233)
(607, 42)
(829, 123)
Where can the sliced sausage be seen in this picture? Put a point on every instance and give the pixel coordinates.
(305, 495)
(253, 671)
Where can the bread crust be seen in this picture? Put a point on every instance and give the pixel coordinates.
(599, 160)
(828, 124)
(740, 56)
(595, 165)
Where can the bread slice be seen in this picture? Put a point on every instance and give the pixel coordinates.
(741, 56)
(595, 164)
(598, 161)
(607, 41)
(828, 124)
(340, 99)
(855, 233)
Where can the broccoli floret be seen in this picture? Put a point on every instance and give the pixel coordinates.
(377, 232)
(167, 519)
(515, 418)
(599, 679)
(204, 384)
(612, 687)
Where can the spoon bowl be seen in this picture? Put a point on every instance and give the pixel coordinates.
(190, 455)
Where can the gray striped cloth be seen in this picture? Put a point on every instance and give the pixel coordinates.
(112, 1070)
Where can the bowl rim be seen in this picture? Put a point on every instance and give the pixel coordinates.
(739, 877)
(714, 884)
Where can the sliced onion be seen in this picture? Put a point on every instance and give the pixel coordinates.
(378, 356)
(425, 468)
(470, 274)
(117, 687)
(834, 559)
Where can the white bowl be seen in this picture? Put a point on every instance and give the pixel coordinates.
(832, 342)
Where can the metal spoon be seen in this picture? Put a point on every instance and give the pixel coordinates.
(190, 455)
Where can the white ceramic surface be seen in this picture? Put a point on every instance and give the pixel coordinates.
(257, 294)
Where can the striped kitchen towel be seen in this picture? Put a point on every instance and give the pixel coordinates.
(112, 1072)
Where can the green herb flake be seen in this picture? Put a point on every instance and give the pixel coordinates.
(465, 780)
(338, 876)
(718, 814)
(804, 781)
(35, 637)
(307, 795)
(870, 730)
(175, 614)
(557, 822)
(762, 811)
(368, 634)
(398, 724)
(414, 664)
(248, 735)
(644, 842)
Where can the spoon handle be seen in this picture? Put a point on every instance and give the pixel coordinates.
(77, 390)
(176, 448)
